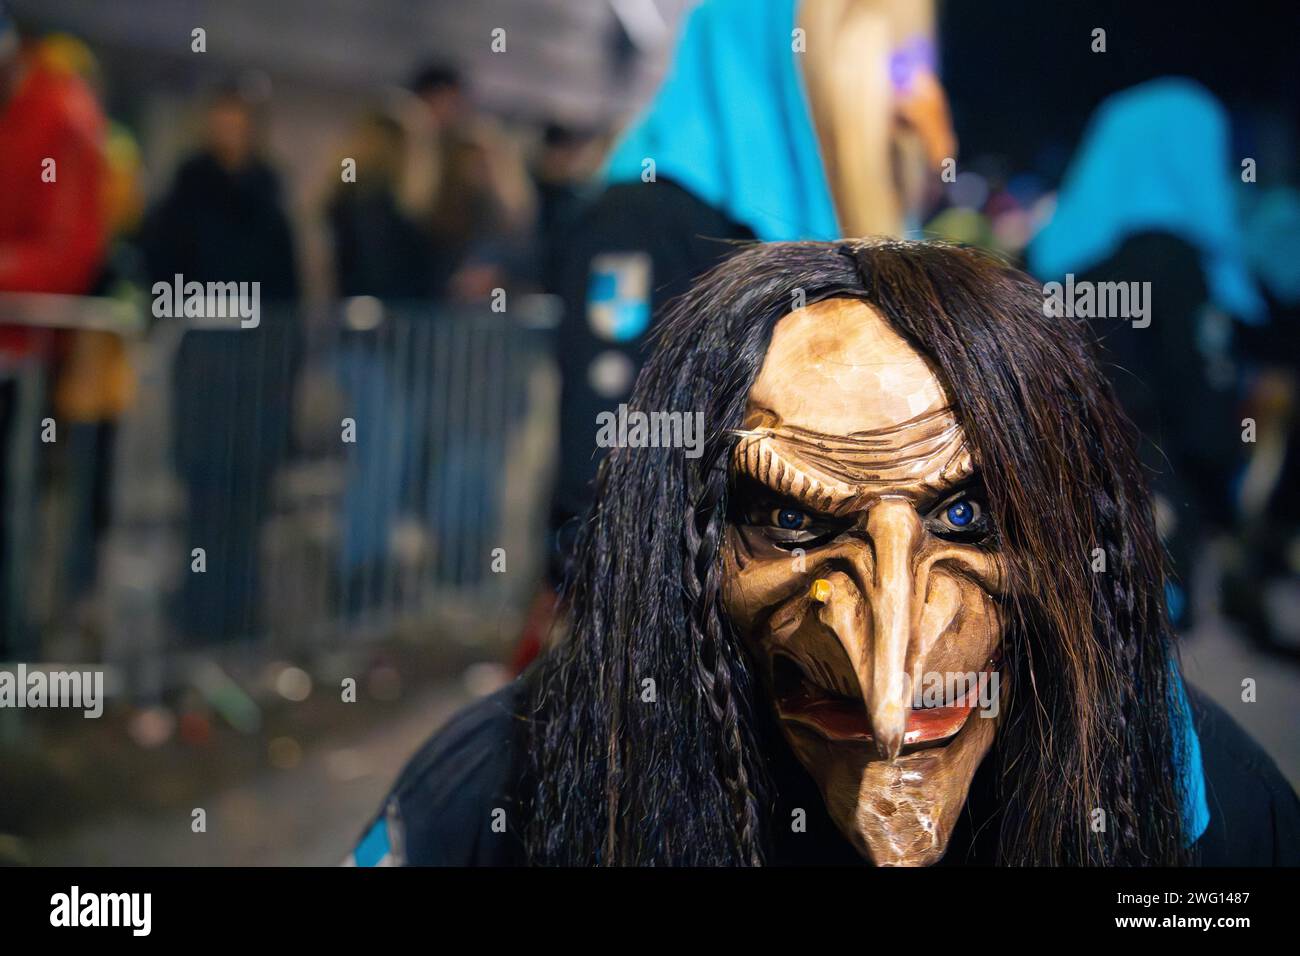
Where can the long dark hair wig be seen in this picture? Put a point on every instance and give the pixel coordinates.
(615, 780)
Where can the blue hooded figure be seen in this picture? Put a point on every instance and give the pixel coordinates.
(1148, 202)
(1155, 158)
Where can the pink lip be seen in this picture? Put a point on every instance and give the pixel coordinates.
(846, 720)
(841, 719)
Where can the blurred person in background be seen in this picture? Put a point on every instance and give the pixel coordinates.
(481, 221)
(483, 207)
(222, 220)
(567, 161)
(1148, 198)
(95, 382)
(379, 248)
(380, 251)
(52, 239)
(442, 91)
(749, 137)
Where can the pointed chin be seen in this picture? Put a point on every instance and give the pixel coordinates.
(898, 812)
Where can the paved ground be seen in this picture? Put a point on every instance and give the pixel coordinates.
(1216, 660)
(306, 816)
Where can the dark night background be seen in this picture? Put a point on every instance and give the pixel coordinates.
(1023, 79)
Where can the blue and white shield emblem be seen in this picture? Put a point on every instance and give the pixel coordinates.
(618, 295)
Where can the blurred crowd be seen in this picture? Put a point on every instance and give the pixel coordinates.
(436, 201)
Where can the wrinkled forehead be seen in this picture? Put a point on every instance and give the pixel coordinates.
(845, 412)
(837, 368)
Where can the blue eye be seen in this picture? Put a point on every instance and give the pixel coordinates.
(960, 514)
(790, 519)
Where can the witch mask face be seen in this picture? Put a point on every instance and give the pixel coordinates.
(861, 571)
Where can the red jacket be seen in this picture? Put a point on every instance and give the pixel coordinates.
(52, 234)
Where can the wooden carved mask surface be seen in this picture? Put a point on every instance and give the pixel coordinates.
(860, 569)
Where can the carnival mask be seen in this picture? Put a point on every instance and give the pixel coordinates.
(862, 571)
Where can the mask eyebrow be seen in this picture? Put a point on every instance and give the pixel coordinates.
(755, 458)
(759, 456)
(950, 490)
(749, 493)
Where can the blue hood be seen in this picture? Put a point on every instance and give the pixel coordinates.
(731, 124)
(1154, 158)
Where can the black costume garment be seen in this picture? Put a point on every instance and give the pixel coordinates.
(443, 811)
(681, 237)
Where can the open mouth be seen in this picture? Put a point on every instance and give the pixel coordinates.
(840, 718)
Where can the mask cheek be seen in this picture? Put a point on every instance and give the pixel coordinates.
(983, 568)
(758, 577)
(959, 626)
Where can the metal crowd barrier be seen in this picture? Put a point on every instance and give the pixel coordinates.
(373, 470)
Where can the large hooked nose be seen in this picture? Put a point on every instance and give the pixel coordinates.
(877, 625)
(894, 598)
